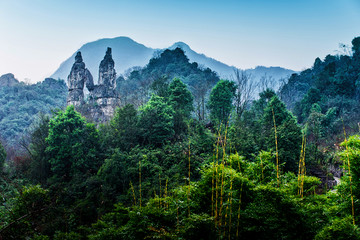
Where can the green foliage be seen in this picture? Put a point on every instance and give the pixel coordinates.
(193, 183)
(28, 213)
(277, 108)
(160, 86)
(255, 131)
(220, 102)
(244, 134)
(156, 122)
(341, 229)
(31, 199)
(169, 64)
(303, 108)
(263, 169)
(268, 215)
(21, 103)
(180, 97)
(72, 145)
(115, 175)
(39, 169)
(356, 45)
(288, 133)
(109, 227)
(201, 139)
(181, 101)
(67, 236)
(2, 157)
(333, 84)
(123, 131)
(351, 155)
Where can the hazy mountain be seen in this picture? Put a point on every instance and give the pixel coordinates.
(224, 71)
(125, 52)
(128, 53)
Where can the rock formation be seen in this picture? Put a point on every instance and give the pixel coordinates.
(8, 80)
(102, 97)
(107, 74)
(78, 76)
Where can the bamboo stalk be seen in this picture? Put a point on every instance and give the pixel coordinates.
(217, 179)
(238, 222)
(212, 187)
(160, 190)
(231, 184)
(177, 216)
(238, 162)
(277, 152)
(133, 192)
(300, 165)
(212, 184)
(222, 178)
(165, 194)
(350, 179)
(304, 171)
(262, 169)
(188, 195)
(140, 181)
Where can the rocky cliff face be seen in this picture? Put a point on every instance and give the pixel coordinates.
(78, 76)
(103, 98)
(107, 73)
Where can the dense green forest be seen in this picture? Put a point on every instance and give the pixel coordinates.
(137, 87)
(21, 103)
(158, 170)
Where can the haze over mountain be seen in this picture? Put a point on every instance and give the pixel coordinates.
(127, 54)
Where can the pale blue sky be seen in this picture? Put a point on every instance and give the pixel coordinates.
(37, 35)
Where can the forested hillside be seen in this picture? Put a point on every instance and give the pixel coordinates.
(156, 75)
(128, 54)
(21, 103)
(333, 83)
(262, 169)
(325, 99)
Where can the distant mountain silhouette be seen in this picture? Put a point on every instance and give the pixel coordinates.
(127, 54)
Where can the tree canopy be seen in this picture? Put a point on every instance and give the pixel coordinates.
(220, 102)
(72, 145)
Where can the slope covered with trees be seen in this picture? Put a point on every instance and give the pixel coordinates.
(325, 99)
(158, 171)
(21, 103)
(137, 87)
(333, 84)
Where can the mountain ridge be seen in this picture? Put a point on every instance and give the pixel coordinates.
(128, 53)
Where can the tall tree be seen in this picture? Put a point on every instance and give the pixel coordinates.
(40, 165)
(244, 91)
(160, 86)
(122, 132)
(156, 121)
(288, 133)
(200, 85)
(180, 97)
(181, 100)
(72, 145)
(220, 103)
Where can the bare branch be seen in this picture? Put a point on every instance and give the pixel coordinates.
(245, 89)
